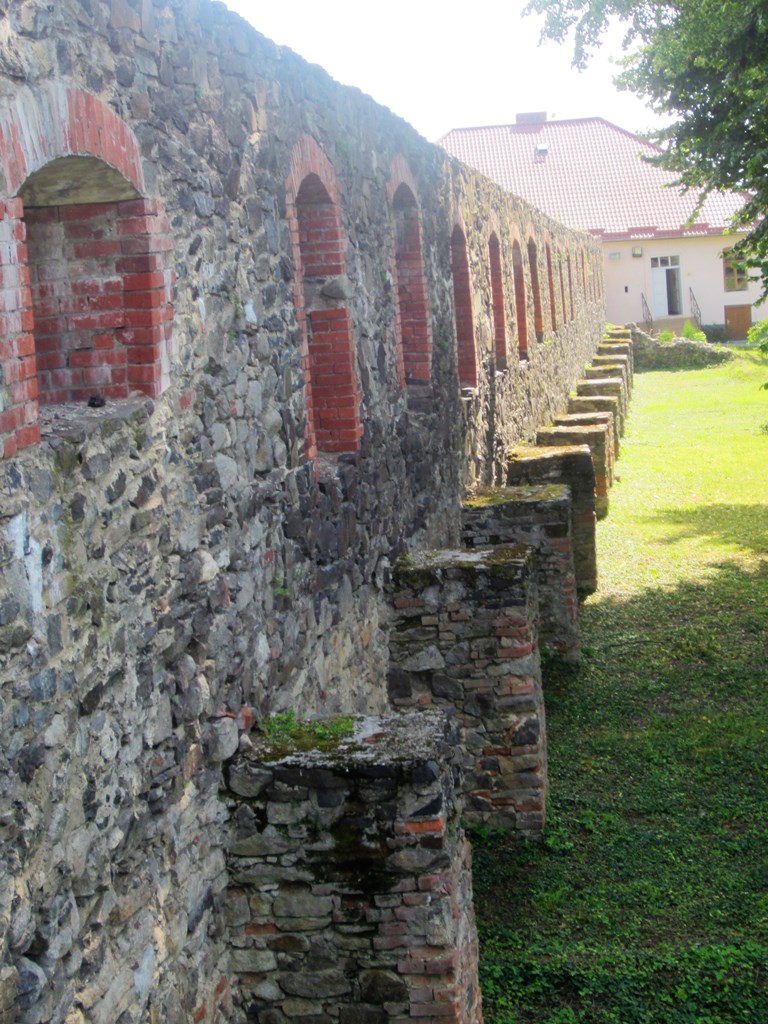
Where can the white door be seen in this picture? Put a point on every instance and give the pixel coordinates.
(666, 295)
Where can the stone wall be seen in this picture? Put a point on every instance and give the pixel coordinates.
(677, 354)
(210, 540)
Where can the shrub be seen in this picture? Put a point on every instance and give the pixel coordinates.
(665, 336)
(717, 334)
(758, 335)
(692, 334)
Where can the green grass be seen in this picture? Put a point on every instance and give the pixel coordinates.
(647, 902)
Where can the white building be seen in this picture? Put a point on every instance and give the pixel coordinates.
(663, 265)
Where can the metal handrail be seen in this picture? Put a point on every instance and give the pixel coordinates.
(647, 315)
(695, 309)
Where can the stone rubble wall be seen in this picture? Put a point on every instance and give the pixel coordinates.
(350, 897)
(677, 354)
(173, 564)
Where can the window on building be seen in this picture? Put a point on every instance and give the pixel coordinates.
(735, 276)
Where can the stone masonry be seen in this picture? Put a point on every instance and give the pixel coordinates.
(598, 438)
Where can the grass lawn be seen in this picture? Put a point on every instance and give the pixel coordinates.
(647, 902)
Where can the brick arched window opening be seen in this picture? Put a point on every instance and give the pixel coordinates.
(551, 287)
(333, 398)
(466, 356)
(87, 282)
(497, 301)
(101, 292)
(570, 285)
(313, 210)
(521, 315)
(562, 288)
(415, 336)
(538, 318)
(583, 274)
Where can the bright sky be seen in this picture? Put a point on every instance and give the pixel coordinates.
(441, 65)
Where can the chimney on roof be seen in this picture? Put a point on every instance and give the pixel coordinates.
(537, 117)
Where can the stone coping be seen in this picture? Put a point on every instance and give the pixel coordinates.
(577, 429)
(567, 419)
(76, 421)
(398, 738)
(547, 451)
(489, 497)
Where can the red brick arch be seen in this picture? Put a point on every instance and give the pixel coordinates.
(521, 312)
(533, 269)
(58, 121)
(551, 287)
(102, 320)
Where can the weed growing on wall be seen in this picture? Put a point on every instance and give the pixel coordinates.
(284, 733)
(647, 901)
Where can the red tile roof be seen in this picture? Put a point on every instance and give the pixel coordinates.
(587, 173)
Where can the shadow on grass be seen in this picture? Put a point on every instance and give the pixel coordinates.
(647, 901)
(745, 526)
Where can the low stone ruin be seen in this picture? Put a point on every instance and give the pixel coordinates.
(350, 895)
